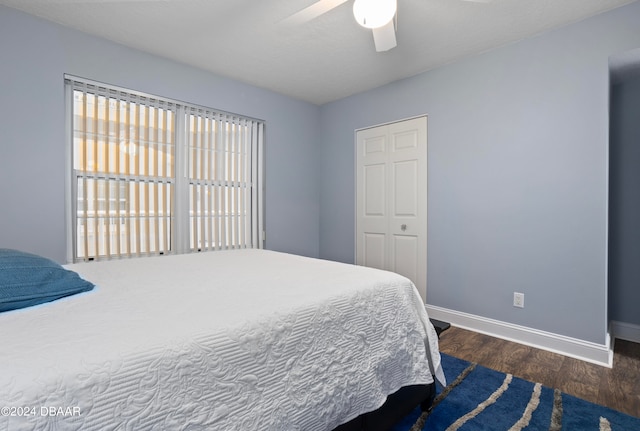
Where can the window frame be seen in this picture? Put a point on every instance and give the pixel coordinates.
(181, 221)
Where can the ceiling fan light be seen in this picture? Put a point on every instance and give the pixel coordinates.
(374, 13)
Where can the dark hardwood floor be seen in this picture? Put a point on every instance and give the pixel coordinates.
(617, 387)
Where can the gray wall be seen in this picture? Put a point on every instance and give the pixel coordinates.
(36, 54)
(624, 201)
(517, 181)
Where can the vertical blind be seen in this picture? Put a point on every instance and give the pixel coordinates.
(131, 196)
(222, 199)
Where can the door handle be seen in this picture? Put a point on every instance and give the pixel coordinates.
(403, 227)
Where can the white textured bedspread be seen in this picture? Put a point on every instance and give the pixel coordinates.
(227, 340)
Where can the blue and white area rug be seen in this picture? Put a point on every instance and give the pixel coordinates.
(478, 398)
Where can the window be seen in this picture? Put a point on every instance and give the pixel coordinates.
(153, 176)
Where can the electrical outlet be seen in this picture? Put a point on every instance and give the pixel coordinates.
(518, 299)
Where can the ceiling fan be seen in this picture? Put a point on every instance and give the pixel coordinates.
(378, 15)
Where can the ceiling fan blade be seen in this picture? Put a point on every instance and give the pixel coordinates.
(311, 12)
(385, 37)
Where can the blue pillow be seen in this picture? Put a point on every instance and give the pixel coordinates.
(27, 279)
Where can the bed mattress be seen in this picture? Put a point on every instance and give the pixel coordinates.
(226, 340)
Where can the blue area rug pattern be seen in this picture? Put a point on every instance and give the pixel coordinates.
(480, 399)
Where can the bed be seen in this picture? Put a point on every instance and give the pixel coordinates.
(226, 340)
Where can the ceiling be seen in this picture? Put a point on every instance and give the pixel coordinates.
(322, 60)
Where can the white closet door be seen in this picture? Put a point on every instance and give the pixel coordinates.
(391, 209)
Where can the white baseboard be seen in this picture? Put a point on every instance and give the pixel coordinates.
(600, 354)
(625, 331)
